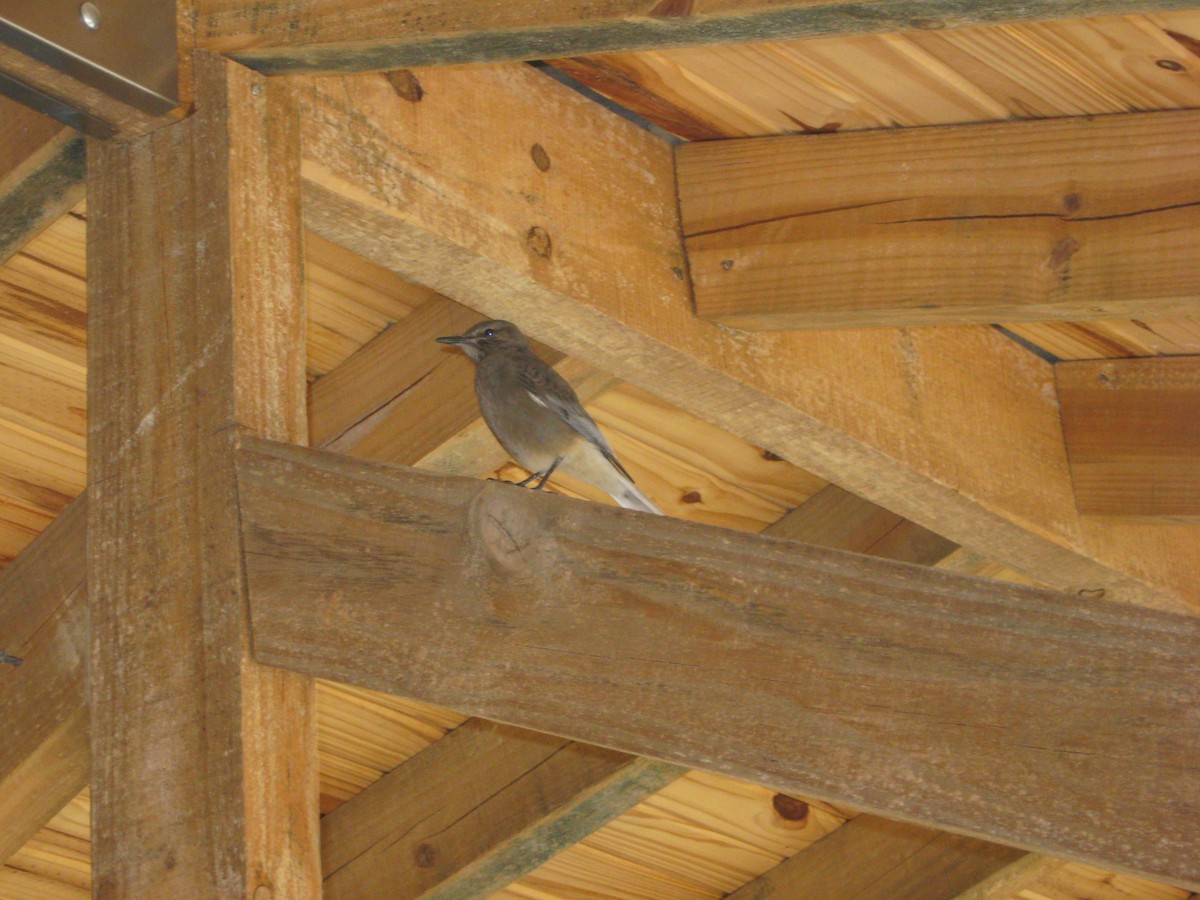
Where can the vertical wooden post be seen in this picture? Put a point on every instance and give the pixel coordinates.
(204, 764)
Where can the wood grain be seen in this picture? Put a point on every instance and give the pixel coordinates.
(369, 35)
(869, 858)
(204, 764)
(1097, 65)
(993, 709)
(43, 622)
(42, 183)
(1132, 428)
(481, 807)
(1000, 222)
(893, 416)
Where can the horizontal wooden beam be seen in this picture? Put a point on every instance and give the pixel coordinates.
(327, 35)
(477, 810)
(1132, 428)
(1083, 218)
(870, 858)
(41, 174)
(575, 236)
(998, 710)
(44, 758)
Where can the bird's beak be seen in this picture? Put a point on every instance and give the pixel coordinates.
(454, 339)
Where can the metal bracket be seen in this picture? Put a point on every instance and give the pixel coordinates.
(124, 48)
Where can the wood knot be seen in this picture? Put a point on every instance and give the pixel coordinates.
(510, 533)
(538, 240)
(1060, 256)
(540, 157)
(426, 856)
(1072, 202)
(405, 84)
(692, 497)
(790, 808)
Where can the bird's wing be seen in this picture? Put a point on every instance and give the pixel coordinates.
(549, 389)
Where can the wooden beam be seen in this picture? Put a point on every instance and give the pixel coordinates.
(956, 429)
(41, 174)
(43, 701)
(1132, 428)
(1083, 218)
(204, 764)
(477, 810)
(993, 709)
(327, 35)
(870, 858)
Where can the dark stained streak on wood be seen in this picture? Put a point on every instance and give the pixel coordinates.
(44, 194)
(674, 31)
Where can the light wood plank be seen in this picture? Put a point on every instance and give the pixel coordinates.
(476, 810)
(953, 428)
(204, 764)
(1075, 67)
(1000, 222)
(369, 35)
(1132, 428)
(989, 708)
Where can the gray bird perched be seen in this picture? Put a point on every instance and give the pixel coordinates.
(536, 416)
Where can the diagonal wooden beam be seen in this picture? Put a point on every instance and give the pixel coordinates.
(869, 858)
(938, 698)
(476, 811)
(41, 174)
(327, 35)
(1079, 218)
(575, 235)
(44, 757)
(204, 763)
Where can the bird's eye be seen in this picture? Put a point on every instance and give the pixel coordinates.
(491, 332)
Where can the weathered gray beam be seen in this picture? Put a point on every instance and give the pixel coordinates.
(369, 35)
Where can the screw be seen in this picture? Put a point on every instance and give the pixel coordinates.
(90, 13)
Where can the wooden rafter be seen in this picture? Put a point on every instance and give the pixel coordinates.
(41, 174)
(954, 428)
(329, 35)
(938, 698)
(43, 702)
(204, 764)
(1056, 219)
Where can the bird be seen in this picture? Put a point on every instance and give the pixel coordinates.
(537, 417)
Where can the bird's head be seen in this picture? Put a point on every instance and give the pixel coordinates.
(487, 337)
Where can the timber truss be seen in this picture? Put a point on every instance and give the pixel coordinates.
(171, 621)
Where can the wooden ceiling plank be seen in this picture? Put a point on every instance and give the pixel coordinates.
(1000, 222)
(204, 764)
(1132, 428)
(41, 174)
(475, 811)
(43, 622)
(955, 428)
(994, 709)
(869, 858)
(327, 35)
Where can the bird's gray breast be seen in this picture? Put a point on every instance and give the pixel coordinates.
(533, 435)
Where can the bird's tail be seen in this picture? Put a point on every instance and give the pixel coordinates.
(632, 498)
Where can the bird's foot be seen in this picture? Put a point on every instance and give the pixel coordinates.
(542, 476)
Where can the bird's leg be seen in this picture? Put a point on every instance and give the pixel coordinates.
(549, 472)
(544, 476)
